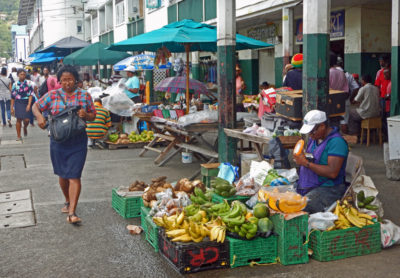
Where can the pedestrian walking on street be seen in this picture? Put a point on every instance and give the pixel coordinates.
(68, 158)
(21, 102)
(5, 97)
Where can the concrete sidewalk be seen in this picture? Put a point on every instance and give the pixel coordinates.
(102, 247)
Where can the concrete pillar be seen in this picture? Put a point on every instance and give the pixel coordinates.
(278, 65)
(195, 65)
(287, 34)
(226, 44)
(248, 60)
(395, 97)
(316, 18)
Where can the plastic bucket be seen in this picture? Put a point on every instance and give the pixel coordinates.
(245, 161)
(187, 157)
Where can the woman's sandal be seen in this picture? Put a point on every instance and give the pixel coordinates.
(65, 209)
(73, 219)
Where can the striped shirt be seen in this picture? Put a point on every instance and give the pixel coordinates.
(99, 127)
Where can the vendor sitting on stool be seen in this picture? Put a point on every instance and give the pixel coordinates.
(321, 178)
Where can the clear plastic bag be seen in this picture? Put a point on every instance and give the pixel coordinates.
(246, 186)
(117, 101)
(390, 233)
(259, 170)
(199, 117)
(321, 221)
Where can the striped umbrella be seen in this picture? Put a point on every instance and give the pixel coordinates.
(177, 84)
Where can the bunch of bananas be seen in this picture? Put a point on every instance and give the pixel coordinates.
(348, 216)
(217, 230)
(219, 209)
(198, 196)
(223, 187)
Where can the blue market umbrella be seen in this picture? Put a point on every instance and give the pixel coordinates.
(139, 62)
(183, 36)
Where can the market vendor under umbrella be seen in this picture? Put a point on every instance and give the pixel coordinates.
(322, 179)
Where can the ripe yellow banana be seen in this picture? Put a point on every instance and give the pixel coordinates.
(180, 218)
(176, 233)
(364, 215)
(183, 238)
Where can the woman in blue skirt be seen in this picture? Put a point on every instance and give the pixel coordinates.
(68, 158)
(21, 101)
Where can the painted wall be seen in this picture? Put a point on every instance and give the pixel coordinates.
(21, 47)
(60, 20)
(120, 33)
(155, 19)
(376, 33)
(266, 66)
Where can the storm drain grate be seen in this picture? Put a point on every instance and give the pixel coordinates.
(16, 209)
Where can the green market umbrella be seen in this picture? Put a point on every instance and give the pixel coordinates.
(183, 36)
(95, 54)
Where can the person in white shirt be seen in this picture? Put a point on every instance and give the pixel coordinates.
(367, 105)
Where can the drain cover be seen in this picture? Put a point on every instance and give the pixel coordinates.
(15, 196)
(11, 142)
(16, 206)
(17, 220)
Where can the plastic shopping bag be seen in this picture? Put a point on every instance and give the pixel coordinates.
(117, 101)
(228, 172)
(321, 221)
(390, 233)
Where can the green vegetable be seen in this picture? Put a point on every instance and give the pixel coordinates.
(113, 137)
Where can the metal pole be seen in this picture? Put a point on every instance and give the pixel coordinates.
(187, 49)
(395, 72)
(226, 44)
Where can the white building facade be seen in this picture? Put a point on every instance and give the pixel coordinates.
(49, 21)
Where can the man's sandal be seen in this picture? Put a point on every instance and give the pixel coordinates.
(73, 219)
(65, 209)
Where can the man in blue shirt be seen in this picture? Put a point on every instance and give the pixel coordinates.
(322, 179)
(132, 85)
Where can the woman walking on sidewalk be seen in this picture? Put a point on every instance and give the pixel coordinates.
(5, 97)
(21, 102)
(68, 158)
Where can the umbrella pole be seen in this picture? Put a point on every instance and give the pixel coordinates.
(98, 68)
(187, 48)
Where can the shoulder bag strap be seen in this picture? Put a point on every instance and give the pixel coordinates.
(5, 85)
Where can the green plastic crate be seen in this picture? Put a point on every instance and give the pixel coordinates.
(219, 199)
(152, 233)
(292, 240)
(144, 211)
(127, 207)
(340, 244)
(259, 250)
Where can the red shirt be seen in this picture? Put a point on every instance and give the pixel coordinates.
(381, 83)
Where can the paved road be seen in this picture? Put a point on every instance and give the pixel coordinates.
(101, 247)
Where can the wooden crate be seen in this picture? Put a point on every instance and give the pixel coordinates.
(113, 146)
(290, 103)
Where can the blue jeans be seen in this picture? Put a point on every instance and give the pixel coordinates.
(5, 105)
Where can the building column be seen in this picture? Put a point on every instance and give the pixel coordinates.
(195, 65)
(226, 44)
(248, 61)
(316, 18)
(287, 35)
(278, 65)
(395, 96)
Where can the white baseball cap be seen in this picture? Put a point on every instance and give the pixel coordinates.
(311, 119)
(130, 68)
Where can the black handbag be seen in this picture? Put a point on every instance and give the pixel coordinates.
(67, 124)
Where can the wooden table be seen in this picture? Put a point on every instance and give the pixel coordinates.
(182, 138)
(258, 141)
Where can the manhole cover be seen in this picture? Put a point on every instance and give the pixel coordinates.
(12, 162)
(15, 196)
(17, 220)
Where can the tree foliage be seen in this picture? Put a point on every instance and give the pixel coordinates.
(10, 8)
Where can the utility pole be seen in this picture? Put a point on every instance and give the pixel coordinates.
(226, 45)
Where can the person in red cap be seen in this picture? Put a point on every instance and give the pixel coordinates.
(294, 78)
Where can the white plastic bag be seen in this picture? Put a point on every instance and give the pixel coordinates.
(321, 221)
(390, 233)
(291, 174)
(259, 170)
(118, 102)
(95, 92)
(198, 117)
